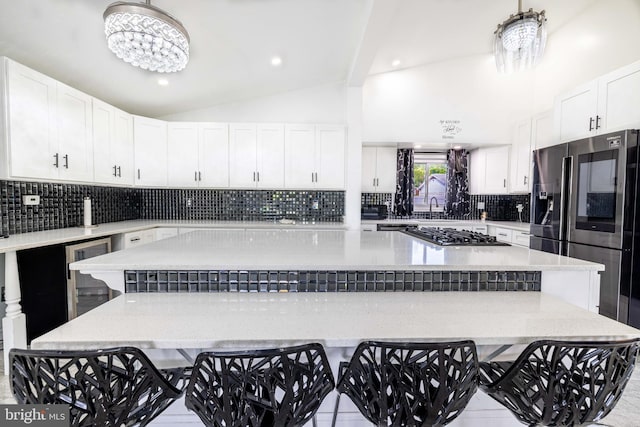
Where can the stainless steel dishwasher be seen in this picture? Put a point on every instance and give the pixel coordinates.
(83, 291)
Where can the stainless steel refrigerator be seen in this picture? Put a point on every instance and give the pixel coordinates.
(584, 205)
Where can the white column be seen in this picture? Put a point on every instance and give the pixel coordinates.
(14, 323)
(354, 157)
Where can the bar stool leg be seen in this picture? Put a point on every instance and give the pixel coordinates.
(335, 411)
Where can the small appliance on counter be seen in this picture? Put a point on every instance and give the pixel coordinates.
(373, 212)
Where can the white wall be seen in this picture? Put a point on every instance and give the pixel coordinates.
(321, 104)
(407, 105)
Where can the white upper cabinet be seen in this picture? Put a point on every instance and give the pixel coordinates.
(197, 154)
(75, 143)
(315, 157)
(601, 106)
(488, 170)
(519, 178)
(270, 156)
(150, 148)
(542, 130)
(182, 154)
(256, 155)
(49, 127)
(112, 144)
(379, 169)
(213, 150)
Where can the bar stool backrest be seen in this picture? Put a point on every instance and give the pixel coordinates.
(562, 383)
(111, 387)
(275, 387)
(415, 384)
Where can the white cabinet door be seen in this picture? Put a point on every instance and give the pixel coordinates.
(330, 157)
(242, 156)
(32, 135)
(617, 108)
(75, 143)
(368, 180)
(542, 130)
(150, 143)
(122, 146)
(182, 154)
(299, 156)
(477, 167)
(496, 170)
(520, 158)
(270, 156)
(214, 155)
(112, 144)
(386, 169)
(575, 113)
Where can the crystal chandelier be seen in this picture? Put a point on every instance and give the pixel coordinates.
(520, 40)
(146, 37)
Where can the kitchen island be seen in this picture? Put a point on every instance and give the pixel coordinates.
(338, 260)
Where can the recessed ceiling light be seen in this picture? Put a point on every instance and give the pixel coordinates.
(276, 61)
(163, 82)
(395, 63)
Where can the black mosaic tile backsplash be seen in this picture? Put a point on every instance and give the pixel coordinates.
(243, 205)
(329, 281)
(61, 205)
(500, 207)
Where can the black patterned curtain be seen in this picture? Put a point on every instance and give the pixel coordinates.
(403, 203)
(457, 200)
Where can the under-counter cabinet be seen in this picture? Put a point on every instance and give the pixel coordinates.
(256, 155)
(600, 106)
(49, 129)
(198, 154)
(315, 157)
(379, 169)
(112, 144)
(150, 148)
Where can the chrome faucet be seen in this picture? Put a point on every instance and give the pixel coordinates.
(431, 204)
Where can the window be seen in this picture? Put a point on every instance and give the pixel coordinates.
(429, 181)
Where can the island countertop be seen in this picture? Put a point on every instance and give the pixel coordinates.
(297, 249)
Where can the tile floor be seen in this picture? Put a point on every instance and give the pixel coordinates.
(625, 414)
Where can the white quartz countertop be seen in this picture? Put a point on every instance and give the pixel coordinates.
(250, 320)
(297, 249)
(513, 225)
(36, 239)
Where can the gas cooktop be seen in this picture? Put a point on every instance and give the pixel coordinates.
(453, 237)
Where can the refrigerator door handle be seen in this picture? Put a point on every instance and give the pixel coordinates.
(565, 198)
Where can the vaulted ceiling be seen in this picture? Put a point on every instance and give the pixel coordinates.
(232, 42)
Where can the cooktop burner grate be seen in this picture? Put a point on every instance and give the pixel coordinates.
(453, 237)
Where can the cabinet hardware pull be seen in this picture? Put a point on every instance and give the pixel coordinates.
(55, 156)
(254, 176)
(66, 161)
(377, 182)
(374, 182)
(525, 180)
(316, 176)
(199, 176)
(598, 122)
(590, 123)
(134, 239)
(258, 176)
(195, 176)
(504, 183)
(119, 172)
(312, 180)
(138, 173)
(115, 170)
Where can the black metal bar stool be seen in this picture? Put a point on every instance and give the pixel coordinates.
(275, 387)
(410, 384)
(111, 387)
(561, 383)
